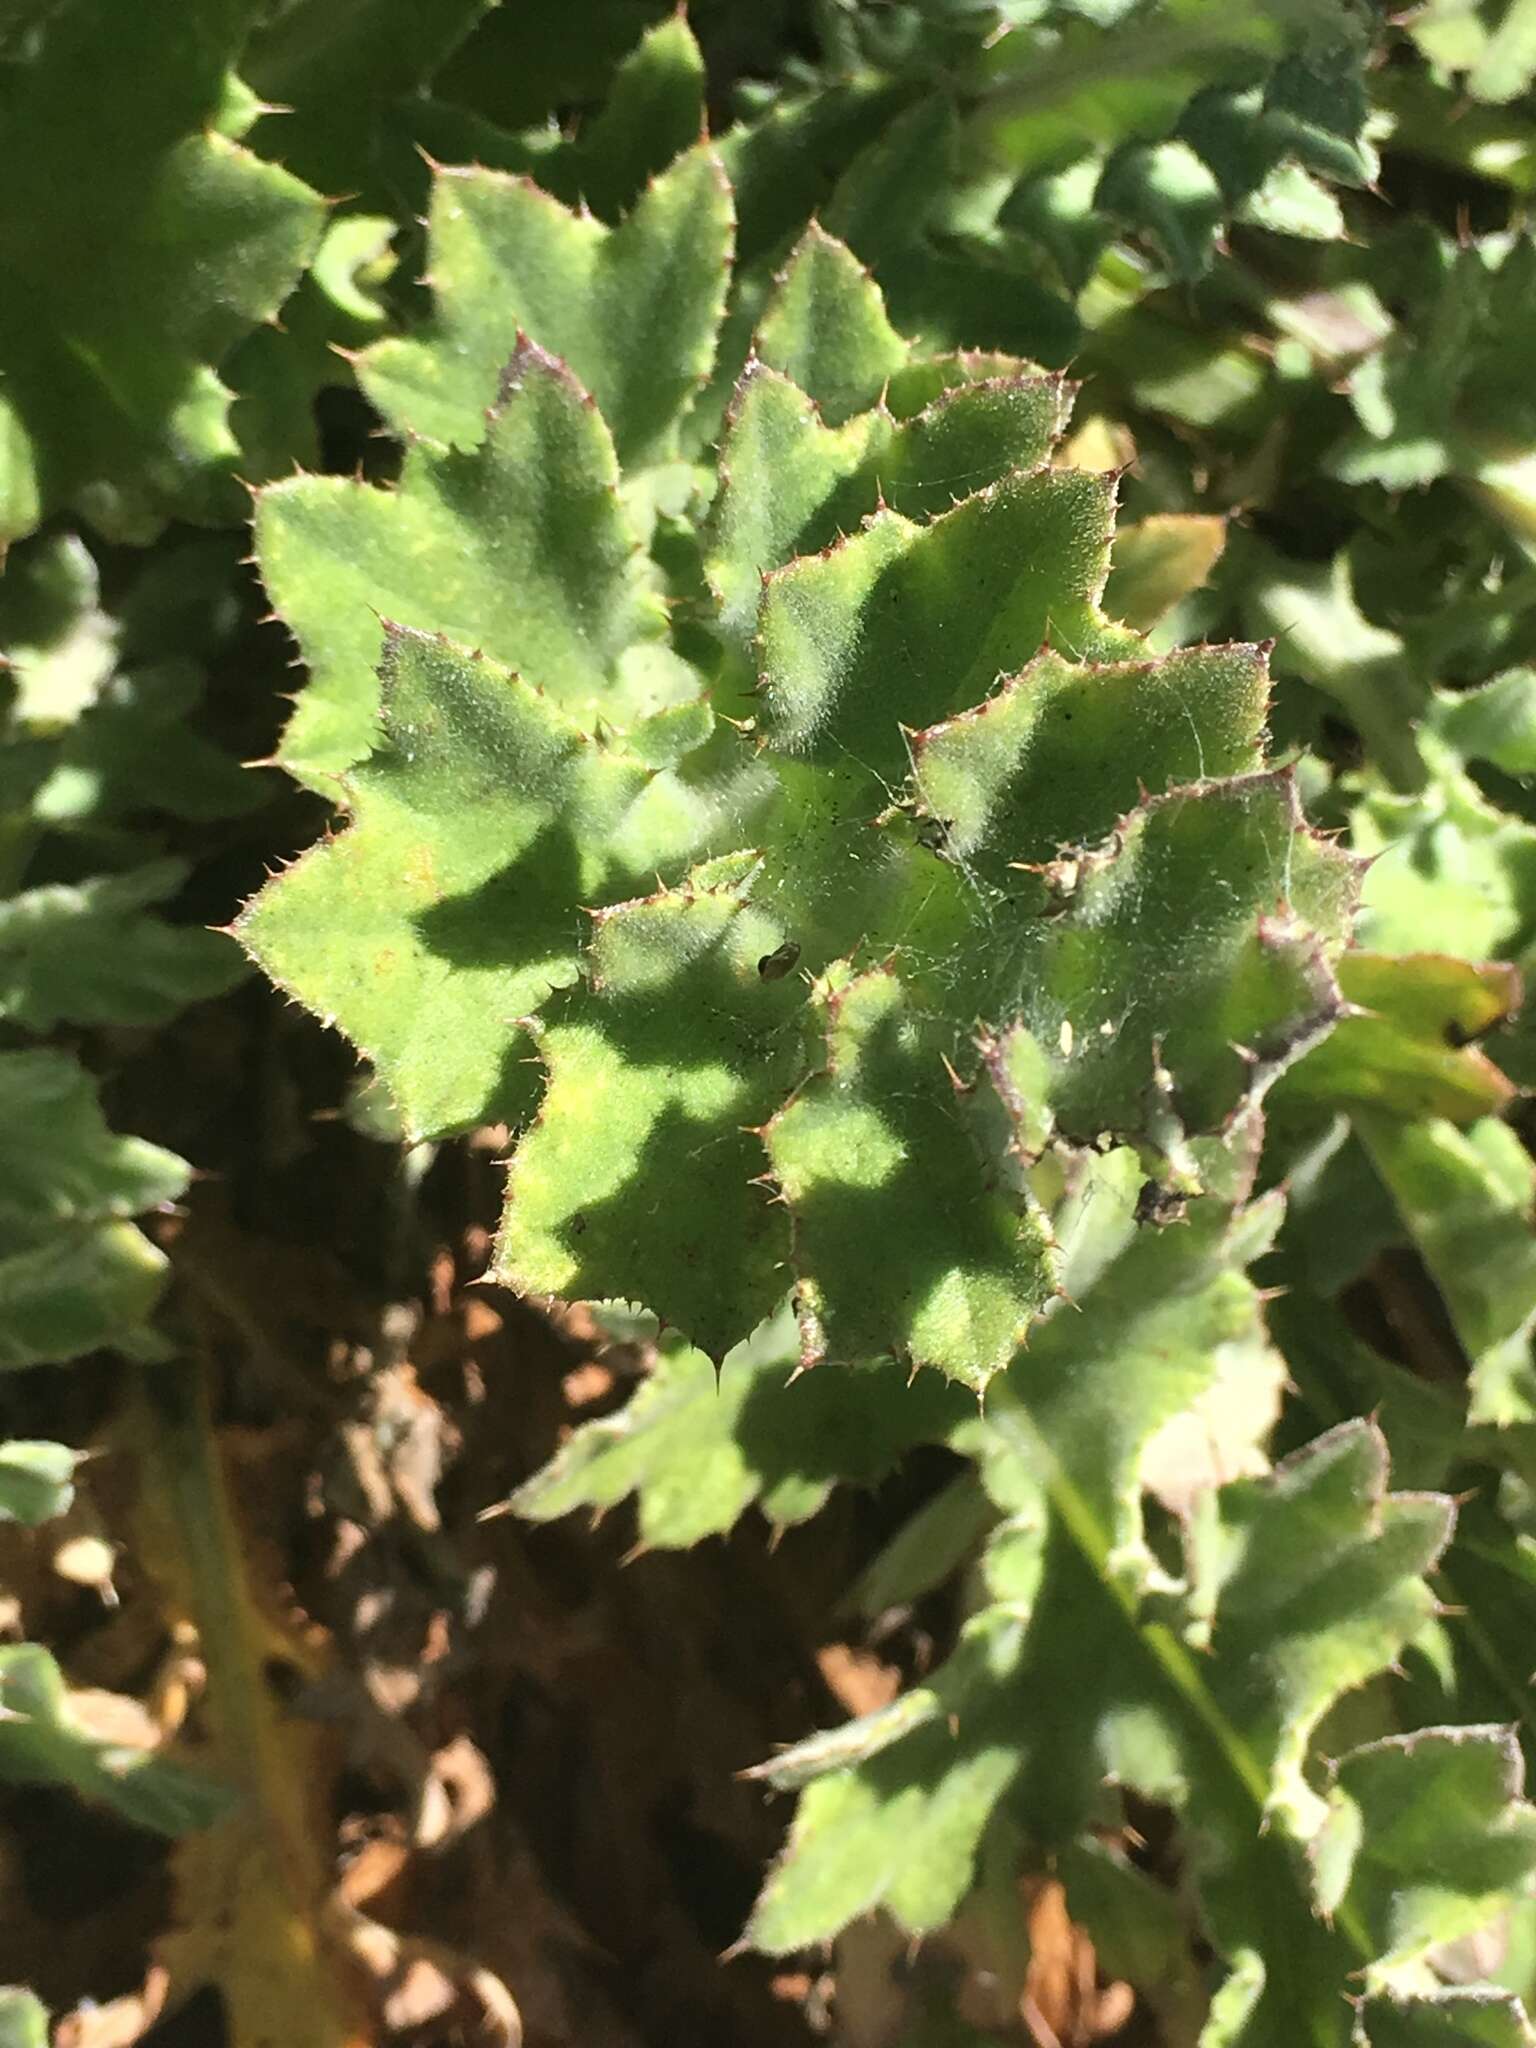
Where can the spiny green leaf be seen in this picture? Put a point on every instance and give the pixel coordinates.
(853, 1151)
(482, 826)
(1428, 1838)
(1194, 944)
(640, 1165)
(1221, 1736)
(139, 246)
(882, 1177)
(519, 547)
(826, 329)
(900, 1831)
(1062, 1453)
(1277, 1600)
(279, 373)
(905, 932)
(633, 310)
(1059, 753)
(790, 485)
(780, 470)
(653, 111)
(1405, 1043)
(698, 1446)
(1171, 1300)
(861, 828)
(853, 642)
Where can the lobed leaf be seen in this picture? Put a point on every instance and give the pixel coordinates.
(900, 1237)
(518, 546)
(484, 824)
(140, 246)
(827, 331)
(74, 1273)
(867, 829)
(791, 485)
(653, 111)
(1427, 1837)
(1065, 1446)
(1405, 1043)
(633, 310)
(697, 1445)
(853, 642)
(1222, 1736)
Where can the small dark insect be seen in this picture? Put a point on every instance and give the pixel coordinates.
(775, 965)
(1160, 1205)
(934, 834)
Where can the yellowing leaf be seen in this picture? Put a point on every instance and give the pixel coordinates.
(251, 1893)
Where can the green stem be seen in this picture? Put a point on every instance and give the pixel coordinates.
(1174, 1659)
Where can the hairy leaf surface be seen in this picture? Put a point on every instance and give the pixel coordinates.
(139, 246)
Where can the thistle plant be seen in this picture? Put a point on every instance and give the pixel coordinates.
(833, 858)
(928, 712)
(881, 959)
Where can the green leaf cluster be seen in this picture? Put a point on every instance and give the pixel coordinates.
(142, 241)
(877, 930)
(100, 758)
(944, 854)
(990, 984)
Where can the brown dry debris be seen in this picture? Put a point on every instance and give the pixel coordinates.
(488, 1775)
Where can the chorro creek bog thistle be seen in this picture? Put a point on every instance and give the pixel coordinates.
(882, 957)
(845, 693)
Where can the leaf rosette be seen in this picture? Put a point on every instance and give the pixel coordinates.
(805, 822)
